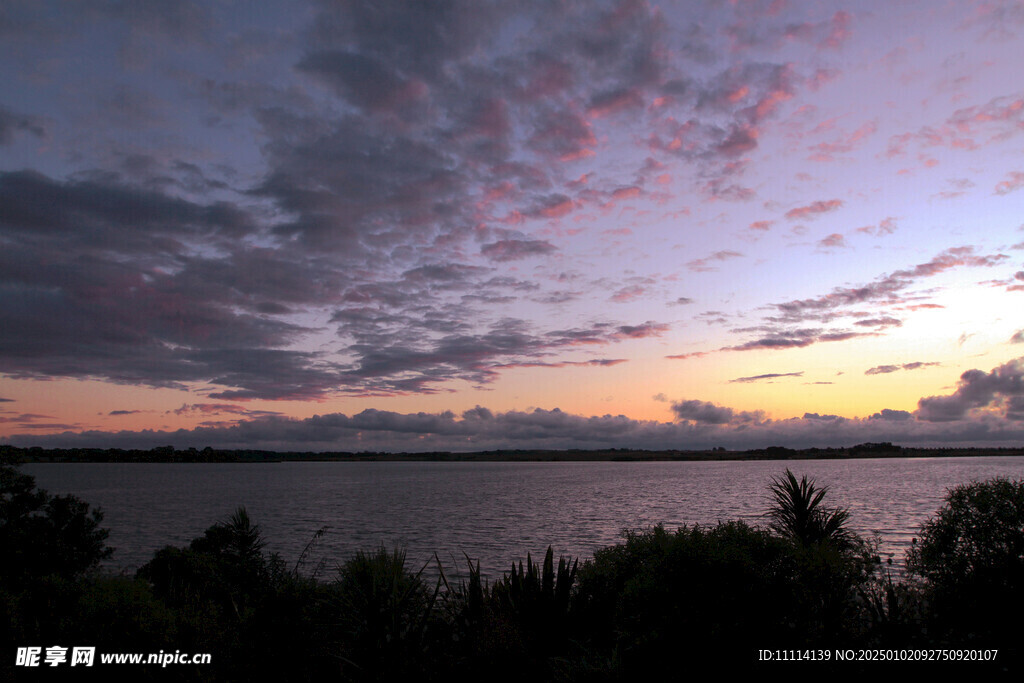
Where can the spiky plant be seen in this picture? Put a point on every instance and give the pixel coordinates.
(797, 513)
(386, 609)
(539, 587)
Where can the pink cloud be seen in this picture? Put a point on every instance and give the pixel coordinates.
(626, 192)
(627, 294)
(1014, 181)
(822, 77)
(886, 226)
(814, 209)
(839, 30)
(770, 102)
(826, 151)
(558, 210)
(614, 103)
(704, 264)
(832, 241)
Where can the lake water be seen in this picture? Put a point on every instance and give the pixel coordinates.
(493, 512)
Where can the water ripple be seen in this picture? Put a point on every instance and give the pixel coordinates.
(493, 512)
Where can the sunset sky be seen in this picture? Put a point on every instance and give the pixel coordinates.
(462, 225)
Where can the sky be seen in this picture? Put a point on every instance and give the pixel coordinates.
(468, 225)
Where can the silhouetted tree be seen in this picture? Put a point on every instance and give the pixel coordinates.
(798, 513)
(971, 556)
(43, 534)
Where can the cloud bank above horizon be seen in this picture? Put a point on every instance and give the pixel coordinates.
(986, 409)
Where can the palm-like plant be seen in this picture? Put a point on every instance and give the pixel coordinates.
(797, 513)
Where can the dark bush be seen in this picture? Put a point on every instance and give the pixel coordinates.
(386, 616)
(971, 557)
(232, 600)
(46, 535)
(519, 625)
(723, 591)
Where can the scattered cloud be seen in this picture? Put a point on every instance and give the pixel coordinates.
(886, 369)
(880, 323)
(813, 209)
(1014, 181)
(833, 241)
(757, 378)
(887, 288)
(705, 264)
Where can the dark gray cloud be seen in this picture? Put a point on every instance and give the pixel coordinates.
(886, 369)
(795, 339)
(362, 80)
(477, 357)
(513, 250)
(773, 375)
(885, 321)
(1002, 387)
(109, 215)
(415, 38)
(12, 124)
(405, 153)
(703, 412)
(102, 279)
(892, 415)
(222, 409)
(128, 298)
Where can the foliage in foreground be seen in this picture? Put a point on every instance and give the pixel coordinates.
(724, 591)
(971, 558)
(46, 535)
(797, 513)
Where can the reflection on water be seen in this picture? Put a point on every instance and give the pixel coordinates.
(494, 512)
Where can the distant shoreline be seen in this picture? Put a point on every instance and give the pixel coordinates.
(168, 454)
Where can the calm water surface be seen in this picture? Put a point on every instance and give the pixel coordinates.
(494, 512)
